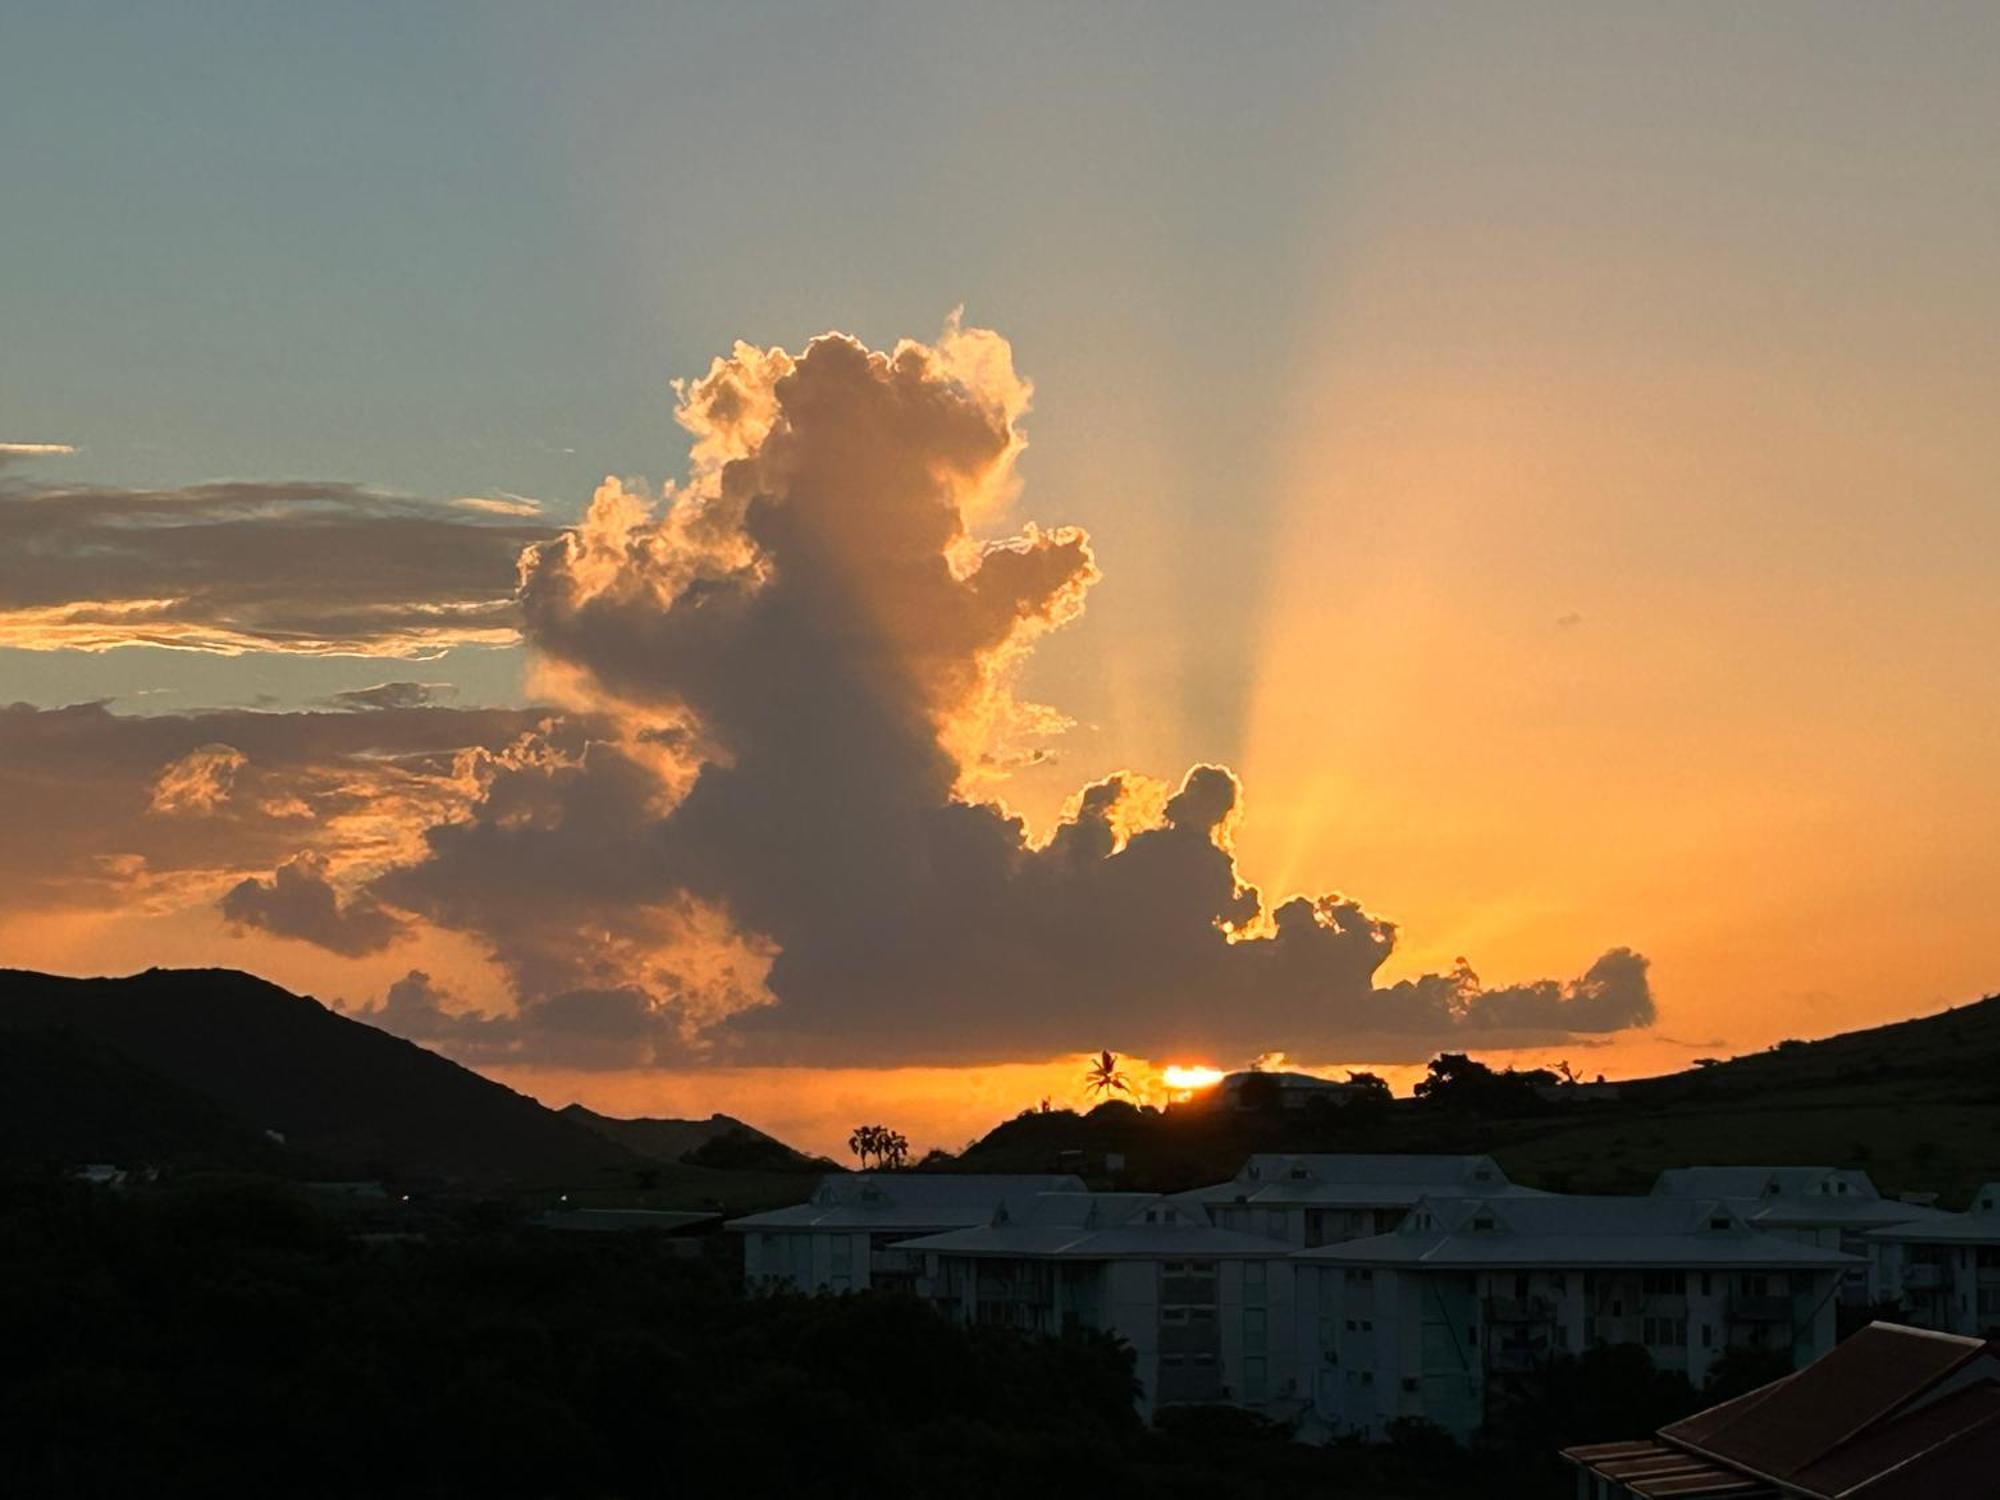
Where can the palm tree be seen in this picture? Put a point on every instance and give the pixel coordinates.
(1103, 1076)
(893, 1149)
(866, 1141)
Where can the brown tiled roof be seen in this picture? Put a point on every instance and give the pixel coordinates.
(1658, 1472)
(1892, 1414)
(1805, 1416)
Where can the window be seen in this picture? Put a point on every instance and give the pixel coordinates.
(1704, 1284)
(1253, 1328)
(843, 1254)
(1664, 1333)
(1664, 1283)
(1482, 1221)
(1253, 1276)
(1707, 1336)
(1255, 1380)
(1411, 1383)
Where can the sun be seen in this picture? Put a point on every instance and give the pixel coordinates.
(1188, 1079)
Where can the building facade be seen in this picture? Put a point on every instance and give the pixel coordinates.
(1431, 1320)
(1945, 1271)
(845, 1237)
(1209, 1313)
(1328, 1198)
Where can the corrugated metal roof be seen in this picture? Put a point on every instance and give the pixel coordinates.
(886, 1202)
(1561, 1231)
(1804, 1418)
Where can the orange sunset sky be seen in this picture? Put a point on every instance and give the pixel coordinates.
(1522, 483)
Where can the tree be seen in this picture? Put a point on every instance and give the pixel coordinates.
(866, 1141)
(1368, 1093)
(1260, 1092)
(889, 1148)
(1103, 1076)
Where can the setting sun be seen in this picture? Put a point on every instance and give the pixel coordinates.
(1184, 1078)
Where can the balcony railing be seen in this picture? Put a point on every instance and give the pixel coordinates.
(1760, 1309)
(1520, 1310)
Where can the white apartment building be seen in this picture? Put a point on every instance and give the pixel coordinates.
(1209, 1312)
(1466, 1292)
(1326, 1198)
(843, 1238)
(1834, 1207)
(1945, 1271)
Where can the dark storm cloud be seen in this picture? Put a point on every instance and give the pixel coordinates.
(781, 852)
(298, 901)
(394, 695)
(312, 568)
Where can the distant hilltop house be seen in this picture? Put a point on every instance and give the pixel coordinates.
(1255, 1088)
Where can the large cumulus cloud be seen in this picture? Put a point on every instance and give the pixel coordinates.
(775, 841)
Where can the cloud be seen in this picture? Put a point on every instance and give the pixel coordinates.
(319, 569)
(110, 811)
(199, 782)
(778, 843)
(394, 695)
(298, 901)
(502, 504)
(15, 452)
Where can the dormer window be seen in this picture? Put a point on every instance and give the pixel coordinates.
(1253, 1171)
(1299, 1174)
(1482, 1221)
(1481, 1174)
(1718, 1221)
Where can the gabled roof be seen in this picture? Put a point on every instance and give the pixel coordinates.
(1275, 1180)
(1765, 1182)
(1562, 1232)
(1100, 1226)
(1892, 1412)
(912, 1202)
(1979, 1225)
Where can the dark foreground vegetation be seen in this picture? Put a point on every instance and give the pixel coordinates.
(224, 1337)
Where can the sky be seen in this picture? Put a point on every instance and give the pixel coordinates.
(1519, 480)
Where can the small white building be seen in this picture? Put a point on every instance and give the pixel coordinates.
(843, 1238)
(1945, 1270)
(1467, 1292)
(1326, 1198)
(1292, 1091)
(1208, 1312)
(1833, 1207)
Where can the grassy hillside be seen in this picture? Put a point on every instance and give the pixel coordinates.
(1916, 1104)
(267, 1060)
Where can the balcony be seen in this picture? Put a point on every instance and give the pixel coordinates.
(1760, 1309)
(1516, 1355)
(896, 1262)
(1926, 1277)
(1520, 1310)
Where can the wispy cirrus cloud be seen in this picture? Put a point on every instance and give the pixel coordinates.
(310, 568)
(15, 452)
